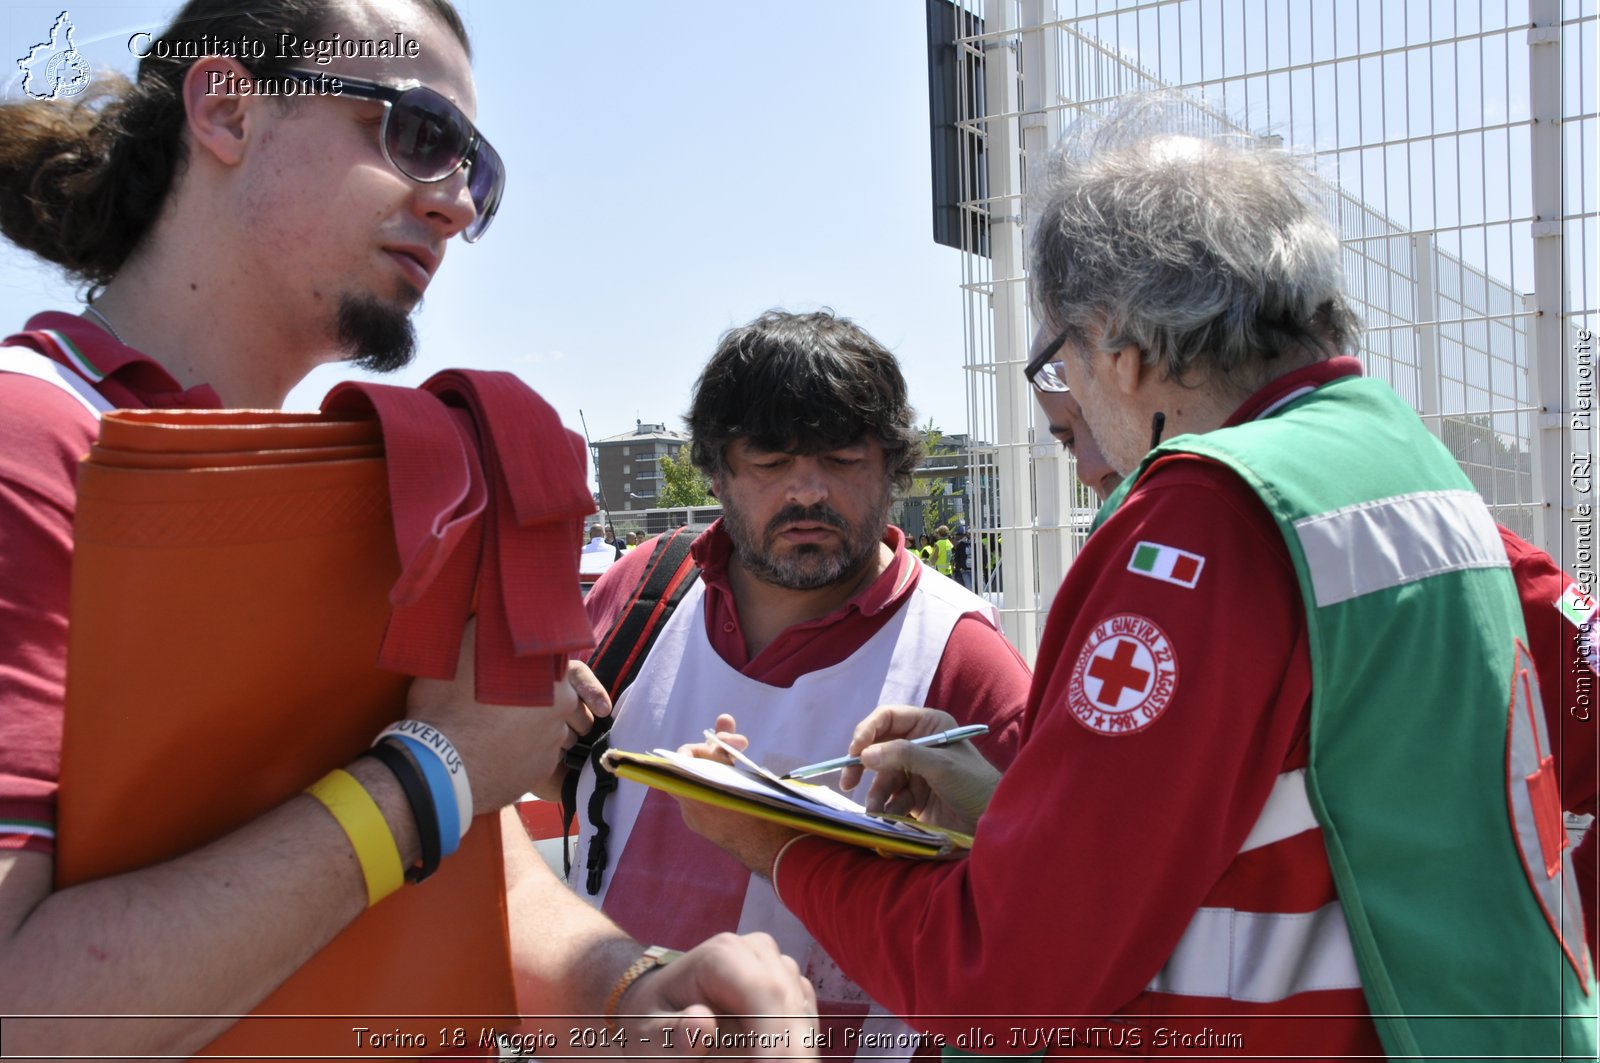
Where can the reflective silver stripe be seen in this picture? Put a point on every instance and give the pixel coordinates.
(1286, 813)
(1260, 957)
(1394, 541)
(32, 363)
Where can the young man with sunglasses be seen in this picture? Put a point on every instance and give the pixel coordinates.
(1284, 789)
(232, 242)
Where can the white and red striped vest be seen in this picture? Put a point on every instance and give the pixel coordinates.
(666, 885)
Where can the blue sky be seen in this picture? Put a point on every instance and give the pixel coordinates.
(674, 171)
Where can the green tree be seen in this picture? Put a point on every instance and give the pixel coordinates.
(684, 484)
(928, 492)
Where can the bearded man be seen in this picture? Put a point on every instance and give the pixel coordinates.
(808, 612)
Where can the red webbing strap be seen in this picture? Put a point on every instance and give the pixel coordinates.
(537, 495)
(685, 572)
(639, 630)
(438, 498)
(486, 488)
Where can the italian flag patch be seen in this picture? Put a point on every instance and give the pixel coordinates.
(1575, 605)
(1167, 564)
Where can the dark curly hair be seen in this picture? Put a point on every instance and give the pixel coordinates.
(802, 384)
(81, 182)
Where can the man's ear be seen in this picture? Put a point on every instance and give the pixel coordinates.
(1129, 368)
(219, 117)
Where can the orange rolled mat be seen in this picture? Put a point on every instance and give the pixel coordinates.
(251, 592)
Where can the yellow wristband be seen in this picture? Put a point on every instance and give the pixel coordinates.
(654, 956)
(367, 830)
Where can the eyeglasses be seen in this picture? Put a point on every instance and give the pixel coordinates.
(427, 138)
(1043, 371)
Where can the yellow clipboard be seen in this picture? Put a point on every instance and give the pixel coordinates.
(707, 781)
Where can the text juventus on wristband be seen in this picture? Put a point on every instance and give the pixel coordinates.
(435, 743)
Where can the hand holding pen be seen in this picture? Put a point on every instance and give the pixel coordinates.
(946, 785)
(935, 740)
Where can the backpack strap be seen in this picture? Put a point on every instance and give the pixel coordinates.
(669, 573)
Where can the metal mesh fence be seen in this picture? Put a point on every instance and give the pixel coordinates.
(1459, 143)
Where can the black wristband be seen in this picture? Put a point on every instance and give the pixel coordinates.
(397, 759)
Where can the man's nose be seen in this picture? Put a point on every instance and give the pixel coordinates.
(447, 204)
(808, 484)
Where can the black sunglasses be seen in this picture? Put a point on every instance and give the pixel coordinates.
(1041, 370)
(427, 138)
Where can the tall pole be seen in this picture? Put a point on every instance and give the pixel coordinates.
(599, 484)
(1547, 365)
(1052, 472)
(1013, 418)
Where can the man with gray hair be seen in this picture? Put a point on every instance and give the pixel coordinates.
(1286, 788)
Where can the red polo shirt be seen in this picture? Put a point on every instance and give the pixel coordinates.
(44, 432)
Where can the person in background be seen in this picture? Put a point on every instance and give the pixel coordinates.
(961, 557)
(1064, 420)
(942, 547)
(597, 541)
(992, 575)
(597, 555)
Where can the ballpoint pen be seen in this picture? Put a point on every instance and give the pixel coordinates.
(943, 738)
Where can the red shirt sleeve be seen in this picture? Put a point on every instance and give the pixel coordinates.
(1097, 848)
(982, 679)
(43, 434)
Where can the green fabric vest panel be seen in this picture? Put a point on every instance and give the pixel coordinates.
(1412, 686)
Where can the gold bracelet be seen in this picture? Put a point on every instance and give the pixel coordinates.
(654, 956)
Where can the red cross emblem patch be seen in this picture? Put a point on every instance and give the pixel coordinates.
(1124, 677)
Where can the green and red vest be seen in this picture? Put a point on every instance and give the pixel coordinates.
(1431, 772)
